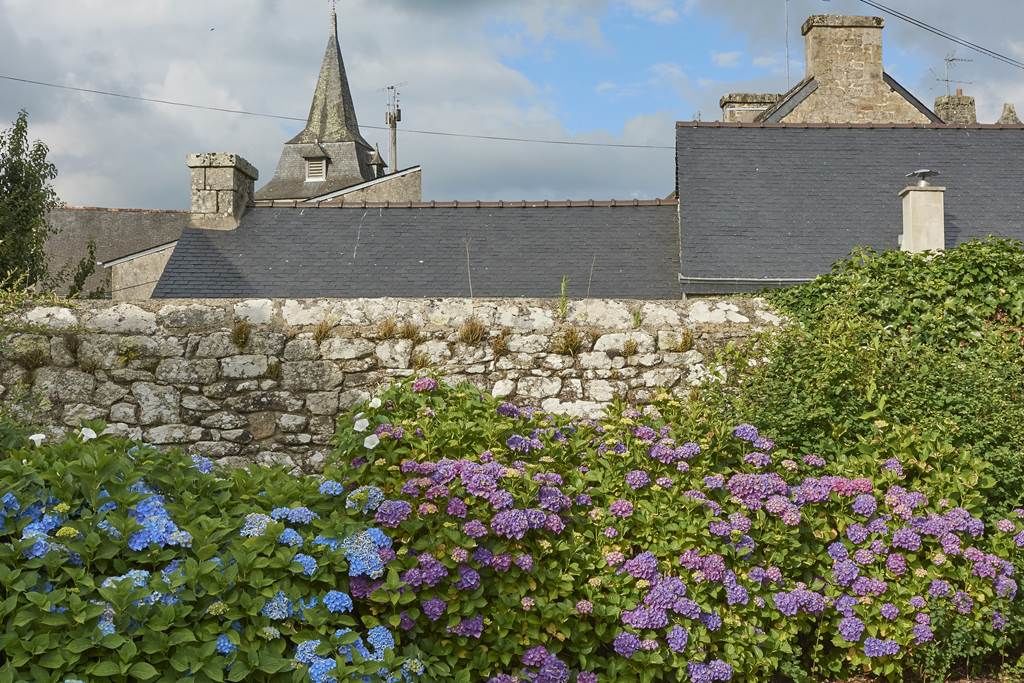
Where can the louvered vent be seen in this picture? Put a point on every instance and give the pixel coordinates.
(316, 169)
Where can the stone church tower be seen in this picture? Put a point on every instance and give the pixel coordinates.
(330, 155)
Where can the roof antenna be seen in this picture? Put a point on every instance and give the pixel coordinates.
(951, 61)
(393, 118)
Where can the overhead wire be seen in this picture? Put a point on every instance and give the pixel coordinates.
(243, 112)
(1006, 59)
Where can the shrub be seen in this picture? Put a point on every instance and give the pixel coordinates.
(626, 550)
(930, 342)
(118, 562)
(472, 331)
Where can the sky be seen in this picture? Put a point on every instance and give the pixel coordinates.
(610, 71)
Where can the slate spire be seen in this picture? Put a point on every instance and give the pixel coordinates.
(332, 116)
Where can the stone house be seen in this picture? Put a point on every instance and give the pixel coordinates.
(773, 194)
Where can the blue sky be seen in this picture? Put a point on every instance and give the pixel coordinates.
(615, 71)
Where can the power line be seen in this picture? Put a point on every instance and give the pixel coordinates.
(946, 34)
(242, 112)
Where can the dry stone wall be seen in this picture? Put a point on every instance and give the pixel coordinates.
(264, 381)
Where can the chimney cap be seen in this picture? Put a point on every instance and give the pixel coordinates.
(840, 21)
(923, 175)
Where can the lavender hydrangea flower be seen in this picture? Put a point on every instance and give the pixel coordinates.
(621, 508)
(851, 629)
(677, 638)
(392, 513)
(626, 644)
(874, 647)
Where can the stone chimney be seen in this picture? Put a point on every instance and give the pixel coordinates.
(222, 189)
(924, 217)
(746, 107)
(957, 110)
(844, 50)
(1009, 117)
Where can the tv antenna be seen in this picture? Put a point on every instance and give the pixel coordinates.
(393, 118)
(951, 63)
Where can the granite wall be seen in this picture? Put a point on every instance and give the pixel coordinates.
(264, 380)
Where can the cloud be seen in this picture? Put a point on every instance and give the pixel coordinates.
(263, 56)
(726, 60)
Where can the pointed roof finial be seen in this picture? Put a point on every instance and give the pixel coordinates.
(334, 16)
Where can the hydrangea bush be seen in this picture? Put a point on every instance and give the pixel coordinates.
(456, 538)
(121, 563)
(531, 548)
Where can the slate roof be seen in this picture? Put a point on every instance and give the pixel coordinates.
(630, 250)
(763, 203)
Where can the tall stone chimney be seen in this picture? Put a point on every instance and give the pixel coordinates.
(844, 50)
(746, 107)
(924, 217)
(957, 110)
(1009, 116)
(223, 186)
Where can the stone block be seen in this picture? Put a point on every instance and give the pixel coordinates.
(244, 367)
(199, 404)
(666, 378)
(77, 413)
(322, 403)
(55, 318)
(122, 319)
(530, 343)
(215, 450)
(317, 375)
(394, 354)
(262, 425)
(157, 404)
(255, 311)
(181, 371)
(435, 351)
(616, 343)
(61, 385)
(60, 354)
(204, 201)
(346, 349)
(239, 436)
(606, 315)
(124, 412)
(302, 349)
(292, 423)
(175, 434)
(503, 388)
(258, 401)
(108, 394)
(191, 316)
(124, 431)
(351, 398)
(224, 420)
(595, 360)
(539, 387)
(604, 390)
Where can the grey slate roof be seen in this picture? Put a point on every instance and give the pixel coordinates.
(633, 252)
(766, 202)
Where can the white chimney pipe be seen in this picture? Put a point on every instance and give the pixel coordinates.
(924, 215)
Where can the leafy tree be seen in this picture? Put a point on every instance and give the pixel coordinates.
(26, 197)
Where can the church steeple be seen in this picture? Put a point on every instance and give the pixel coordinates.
(332, 115)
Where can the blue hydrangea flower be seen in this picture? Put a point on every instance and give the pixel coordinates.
(305, 653)
(331, 488)
(204, 465)
(319, 669)
(329, 543)
(299, 515)
(224, 645)
(363, 555)
(255, 525)
(278, 608)
(380, 638)
(336, 602)
(365, 499)
(308, 563)
(290, 537)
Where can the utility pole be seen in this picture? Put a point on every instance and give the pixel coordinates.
(394, 116)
